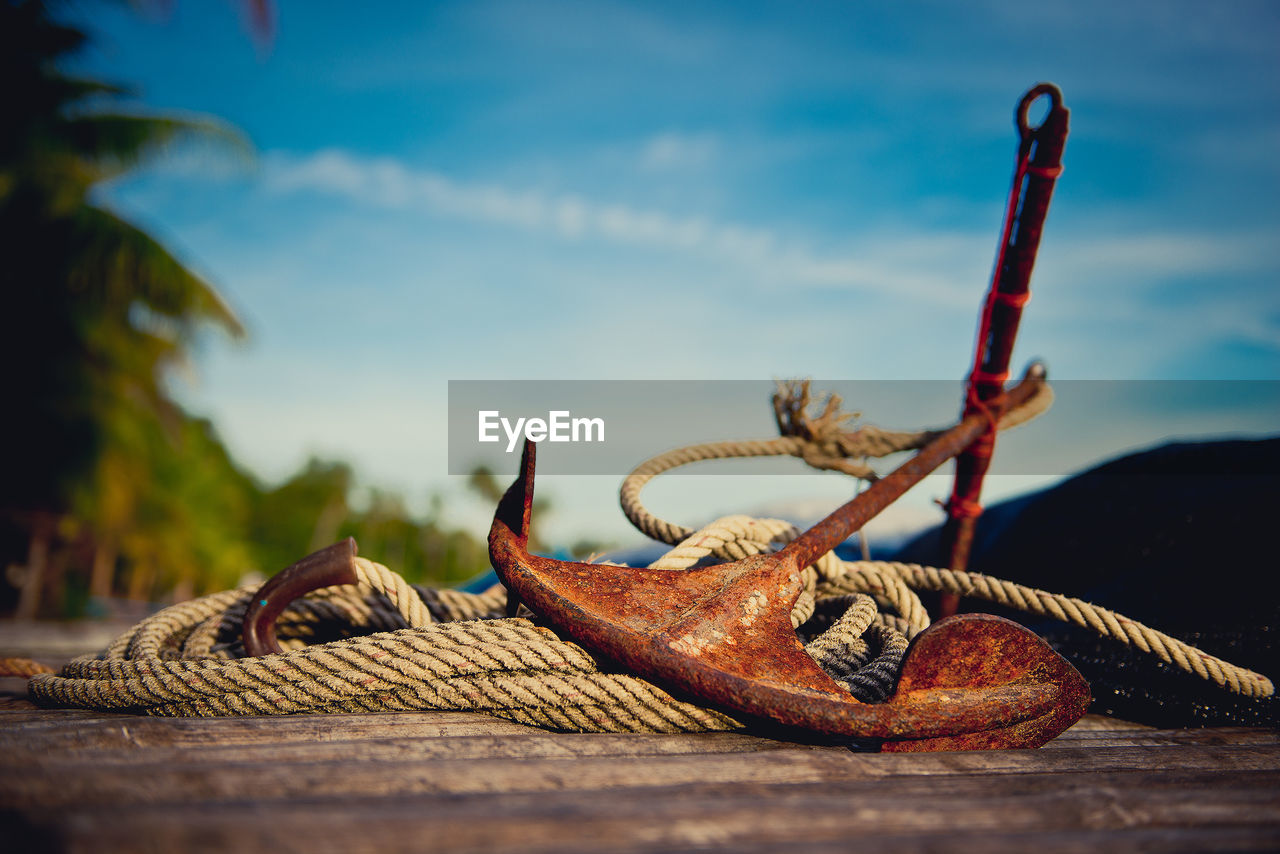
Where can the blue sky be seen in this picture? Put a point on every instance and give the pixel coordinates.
(597, 190)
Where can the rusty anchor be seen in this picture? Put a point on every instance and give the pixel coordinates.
(722, 634)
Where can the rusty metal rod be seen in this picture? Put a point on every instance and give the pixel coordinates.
(1038, 165)
(329, 567)
(850, 517)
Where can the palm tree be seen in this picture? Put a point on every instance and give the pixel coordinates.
(94, 310)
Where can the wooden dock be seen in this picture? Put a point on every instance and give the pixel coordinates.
(88, 782)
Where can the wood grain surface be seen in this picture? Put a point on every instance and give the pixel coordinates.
(80, 781)
(85, 781)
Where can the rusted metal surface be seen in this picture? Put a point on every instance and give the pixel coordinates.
(722, 634)
(1037, 168)
(329, 567)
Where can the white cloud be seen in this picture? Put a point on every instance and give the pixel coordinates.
(1145, 279)
(1157, 254)
(944, 269)
(674, 150)
(388, 183)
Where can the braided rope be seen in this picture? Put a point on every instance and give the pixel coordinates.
(1067, 609)
(16, 666)
(846, 652)
(506, 667)
(391, 585)
(820, 445)
(431, 650)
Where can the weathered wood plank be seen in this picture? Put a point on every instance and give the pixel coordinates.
(257, 729)
(78, 836)
(685, 816)
(1152, 737)
(115, 729)
(127, 748)
(69, 780)
(1113, 841)
(13, 693)
(430, 736)
(54, 723)
(89, 781)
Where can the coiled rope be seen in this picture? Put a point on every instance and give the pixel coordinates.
(386, 645)
(432, 649)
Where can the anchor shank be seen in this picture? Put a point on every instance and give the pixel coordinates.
(845, 520)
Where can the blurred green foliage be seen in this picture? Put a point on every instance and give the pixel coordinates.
(108, 489)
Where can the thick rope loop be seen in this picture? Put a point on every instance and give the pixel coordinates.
(398, 591)
(810, 439)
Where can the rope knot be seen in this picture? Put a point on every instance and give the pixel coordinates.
(824, 442)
